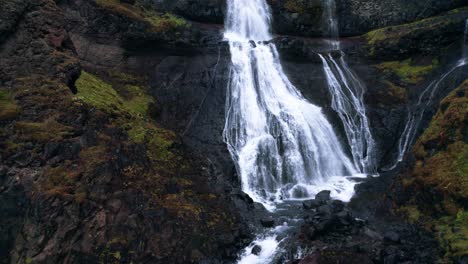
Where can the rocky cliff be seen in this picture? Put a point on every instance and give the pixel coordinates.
(111, 118)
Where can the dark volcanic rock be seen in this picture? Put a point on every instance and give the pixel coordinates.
(75, 187)
(256, 250)
(391, 236)
(212, 11)
(323, 196)
(355, 17)
(267, 222)
(10, 14)
(428, 36)
(311, 204)
(360, 16)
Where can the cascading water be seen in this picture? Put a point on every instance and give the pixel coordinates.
(348, 98)
(416, 112)
(465, 43)
(283, 146)
(331, 23)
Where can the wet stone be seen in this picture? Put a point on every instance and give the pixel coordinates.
(311, 204)
(323, 196)
(256, 250)
(391, 236)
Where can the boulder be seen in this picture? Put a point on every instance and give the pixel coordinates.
(256, 250)
(323, 196)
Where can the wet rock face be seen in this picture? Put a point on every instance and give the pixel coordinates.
(298, 17)
(210, 11)
(76, 193)
(357, 17)
(11, 13)
(305, 17)
(331, 233)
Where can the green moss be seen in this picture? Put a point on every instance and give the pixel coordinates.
(411, 212)
(8, 107)
(442, 167)
(394, 34)
(160, 142)
(453, 234)
(442, 151)
(103, 96)
(406, 71)
(165, 22)
(130, 111)
(98, 93)
(159, 22)
(139, 101)
(397, 92)
(117, 255)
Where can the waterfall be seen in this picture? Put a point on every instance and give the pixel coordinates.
(465, 43)
(283, 146)
(347, 93)
(347, 100)
(417, 111)
(331, 23)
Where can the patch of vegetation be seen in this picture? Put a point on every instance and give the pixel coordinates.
(8, 107)
(453, 233)
(129, 112)
(295, 6)
(441, 172)
(159, 22)
(392, 35)
(442, 148)
(406, 71)
(411, 212)
(99, 94)
(397, 92)
(48, 130)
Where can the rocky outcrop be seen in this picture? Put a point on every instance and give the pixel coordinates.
(426, 36)
(434, 187)
(86, 175)
(12, 11)
(305, 18)
(209, 11)
(358, 17)
(331, 233)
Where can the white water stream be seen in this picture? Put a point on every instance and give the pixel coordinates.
(347, 92)
(348, 101)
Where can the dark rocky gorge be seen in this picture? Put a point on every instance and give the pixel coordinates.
(111, 121)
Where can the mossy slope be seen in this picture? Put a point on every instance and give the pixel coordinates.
(159, 22)
(423, 36)
(439, 179)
